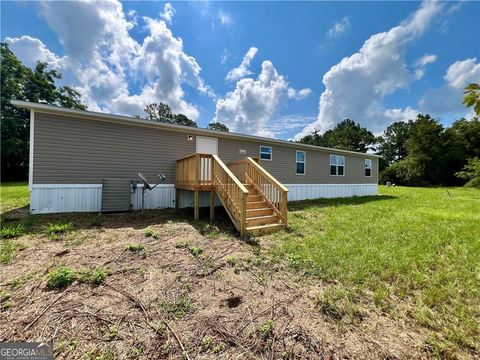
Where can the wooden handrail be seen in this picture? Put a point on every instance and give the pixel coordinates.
(267, 174)
(274, 192)
(230, 174)
(232, 193)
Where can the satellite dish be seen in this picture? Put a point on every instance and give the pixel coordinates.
(146, 186)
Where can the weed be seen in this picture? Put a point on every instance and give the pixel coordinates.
(53, 230)
(112, 332)
(135, 247)
(8, 248)
(149, 232)
(178, 308)
(231, 260)
(61, 277)
(207, 343)
(5, 300)
(209, 230)
(218, 348)
(257, 250)
(338, 304)
(65, 348)
(195, 250)
(94, 277)
(266, 330)
(97, 354)
(9, 232)
(182, 245)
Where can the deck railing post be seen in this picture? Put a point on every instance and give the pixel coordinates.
(243, 217)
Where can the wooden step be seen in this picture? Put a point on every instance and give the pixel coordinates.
(256, 205)
(254, 198)
(264, 229)
(259, 212)
(262, 220)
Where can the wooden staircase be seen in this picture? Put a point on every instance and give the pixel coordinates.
(255, 201)
(261, 217)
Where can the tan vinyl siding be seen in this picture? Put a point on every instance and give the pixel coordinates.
(79, 151)
(317, 164)
(71, 151)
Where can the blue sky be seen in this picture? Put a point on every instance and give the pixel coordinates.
(278, 69)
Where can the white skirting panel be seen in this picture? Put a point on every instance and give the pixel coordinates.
(316, 191)
(56, 198)
(163, 196)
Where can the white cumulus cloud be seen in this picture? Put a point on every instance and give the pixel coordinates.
(448, 98)
(339, 27)
(421, 63)
(167, 13)
(251, 106)
(102, 58)
(357, 85)
(243, 69)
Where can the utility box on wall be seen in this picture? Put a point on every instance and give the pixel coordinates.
(116, 195)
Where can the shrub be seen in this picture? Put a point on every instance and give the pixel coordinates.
(471, 173)
(8, 232)
(61, 277)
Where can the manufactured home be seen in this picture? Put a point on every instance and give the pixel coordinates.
(83, 161)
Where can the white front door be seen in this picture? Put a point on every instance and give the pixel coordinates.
(206, 145)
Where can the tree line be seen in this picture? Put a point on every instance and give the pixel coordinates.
(420, 152)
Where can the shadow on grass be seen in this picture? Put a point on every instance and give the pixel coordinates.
(354, 200)
(35, 224)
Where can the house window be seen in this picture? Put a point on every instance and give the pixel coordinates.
(266, 153)
(337, 165)
(300, 163)
(368, 167)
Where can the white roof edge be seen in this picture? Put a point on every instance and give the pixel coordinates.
(134, 121)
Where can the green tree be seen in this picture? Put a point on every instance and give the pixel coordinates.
(471, 173)
(218, 126)
(180, 119)
(472, 97)
(22, 83)
(393, 143)
(163, 113)
(425, 148)
(347, 135)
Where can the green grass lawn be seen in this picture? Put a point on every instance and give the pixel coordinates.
(13, 195)
(413, 252)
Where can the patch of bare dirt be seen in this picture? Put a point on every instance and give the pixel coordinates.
(184, 295)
